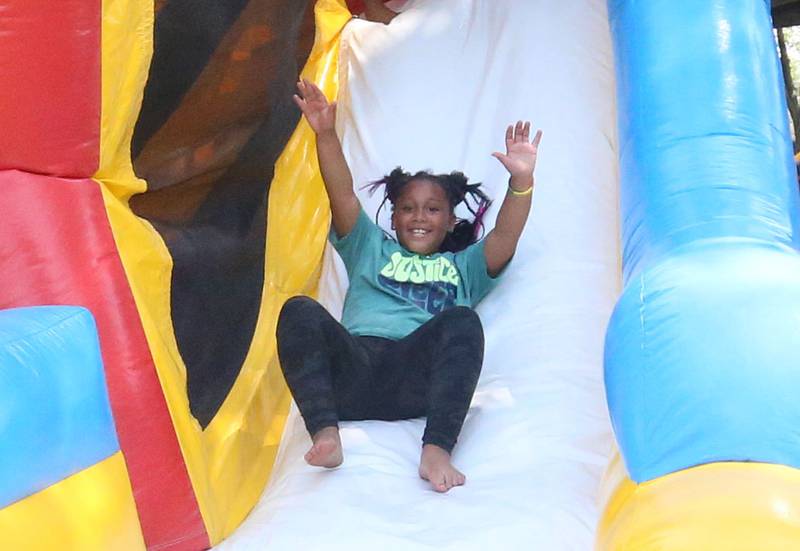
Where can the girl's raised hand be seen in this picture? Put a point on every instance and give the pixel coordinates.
(520, 156)
(320, 114)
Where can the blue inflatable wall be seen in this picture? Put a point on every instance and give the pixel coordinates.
(55, 419)
(703, 349)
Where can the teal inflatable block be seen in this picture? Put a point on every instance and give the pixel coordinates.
(701, 359)
(55, 418)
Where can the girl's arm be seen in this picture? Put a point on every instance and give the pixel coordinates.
(321, 115)
(520, 161)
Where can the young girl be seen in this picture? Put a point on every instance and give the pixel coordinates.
(409, 344)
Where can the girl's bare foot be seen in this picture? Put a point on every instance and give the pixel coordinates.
(326, 450)
(435, 467)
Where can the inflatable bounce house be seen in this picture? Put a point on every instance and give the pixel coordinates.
(161, 199)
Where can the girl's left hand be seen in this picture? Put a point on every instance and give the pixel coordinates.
(520, 156)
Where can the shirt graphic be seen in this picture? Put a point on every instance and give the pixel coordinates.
(429, 283)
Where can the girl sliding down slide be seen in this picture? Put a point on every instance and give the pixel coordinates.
(409, 344)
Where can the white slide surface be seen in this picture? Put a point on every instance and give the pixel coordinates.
(435, 90)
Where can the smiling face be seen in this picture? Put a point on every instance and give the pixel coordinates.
(422, 216)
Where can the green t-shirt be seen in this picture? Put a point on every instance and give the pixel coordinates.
(393, 291)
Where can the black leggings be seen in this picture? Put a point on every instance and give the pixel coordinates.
(335, 376)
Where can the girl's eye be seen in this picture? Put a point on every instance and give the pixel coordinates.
(434, 209)
(405, 208)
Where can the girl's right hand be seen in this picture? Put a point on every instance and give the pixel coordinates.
(320, 114)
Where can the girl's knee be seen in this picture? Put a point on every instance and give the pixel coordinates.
(297, 304)
(464, 321)
(465, 315)
(296, 309)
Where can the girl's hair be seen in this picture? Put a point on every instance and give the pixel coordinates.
(455, 185)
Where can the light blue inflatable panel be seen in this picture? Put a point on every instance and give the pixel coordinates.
(702, 358)
(55, 418)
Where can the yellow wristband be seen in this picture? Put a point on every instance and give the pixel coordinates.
(520, 193)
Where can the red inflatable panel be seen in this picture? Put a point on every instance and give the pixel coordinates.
(50, 91)
(56, 247)
(355, 6)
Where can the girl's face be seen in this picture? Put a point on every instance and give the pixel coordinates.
(422, 216)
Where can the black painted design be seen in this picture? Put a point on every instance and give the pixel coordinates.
(216, 116)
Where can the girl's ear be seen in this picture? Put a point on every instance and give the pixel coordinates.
(452, 224)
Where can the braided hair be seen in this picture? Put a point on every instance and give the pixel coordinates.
(457, 189)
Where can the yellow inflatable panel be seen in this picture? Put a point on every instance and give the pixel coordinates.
(90, 510)
(230, 461)
(718, 506)
(247, 430)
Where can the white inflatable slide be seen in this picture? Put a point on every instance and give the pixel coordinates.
(435, 90)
